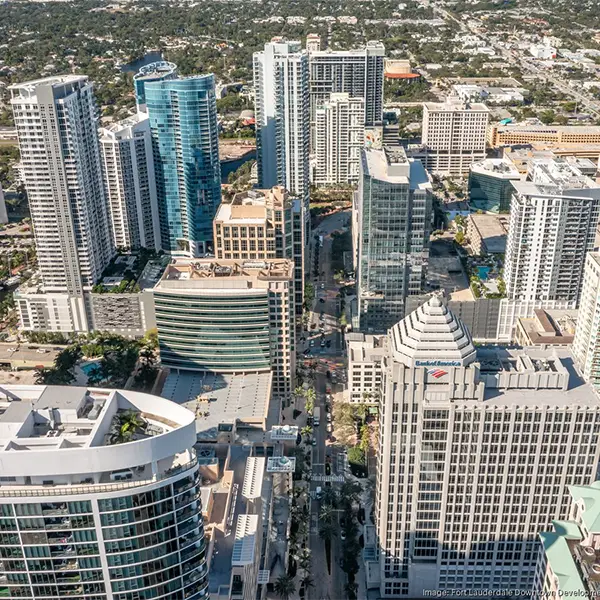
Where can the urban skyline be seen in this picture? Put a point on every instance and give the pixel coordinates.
(222, 363)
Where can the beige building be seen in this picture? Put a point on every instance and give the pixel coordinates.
(515, 133)
(454, 136)
(487, 233)
(546, 328)
(262, 225)
(365, 353)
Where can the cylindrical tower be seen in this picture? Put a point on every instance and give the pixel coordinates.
(99, 496)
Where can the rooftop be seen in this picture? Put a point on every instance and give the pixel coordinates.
(251, 207)
(71, 421)
(452, 105)
(245, 540)
(156, 70)
(501, 168)
(221, 401)
(393, 166)
(550, 327)
(562, 564)
(493, 230)
(432, 334)
(195, 272)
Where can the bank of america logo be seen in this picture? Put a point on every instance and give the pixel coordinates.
(437, 373)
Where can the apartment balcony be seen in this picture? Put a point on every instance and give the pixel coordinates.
(70, 565)
(54, 509)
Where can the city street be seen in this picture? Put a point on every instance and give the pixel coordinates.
(327, 586)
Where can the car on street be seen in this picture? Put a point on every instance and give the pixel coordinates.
(322, 286)
(322, 343)
(314, 442)
(319, 493)
(312, 343)
(322, 300)
(328, 343)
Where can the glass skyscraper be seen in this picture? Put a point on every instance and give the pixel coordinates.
(393, 214)
(183, 121)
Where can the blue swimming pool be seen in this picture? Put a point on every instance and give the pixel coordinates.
(87, 368)
(483, 272)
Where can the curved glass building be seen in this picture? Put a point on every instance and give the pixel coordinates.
(99, 496)
(157, 71)
(183, 122)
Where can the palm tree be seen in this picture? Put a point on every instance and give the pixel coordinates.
(307, 431)
(327, 531)
(329, 497)
(284, 587)
(307, 581)
(326, 513)
(125, 425)
(305, 559)
(351, 590)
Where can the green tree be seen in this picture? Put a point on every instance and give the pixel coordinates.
(284, 587)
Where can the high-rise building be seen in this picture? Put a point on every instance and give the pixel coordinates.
(569, 558)
(90, 511)
(227, 316)
(262, 225)
(586, 344)
(56, 120)
(339, 139)
(477, 448)
(282, 117)
(157, 71)
(358, 73)
(454, 136)
(393, 207)
(130, 183)
(553, 221)
(490, 184)
(183, 122)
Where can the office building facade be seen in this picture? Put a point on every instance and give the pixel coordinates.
(183, 122)
(453, 136)
(56, 120)
(339, 139)
(586, 345)
(490, 187)
(130, 183)
(393, 207)
(84, 514)
(263, 225)
(358, 73)
(553, 221)
(227, 316)
(477, 449)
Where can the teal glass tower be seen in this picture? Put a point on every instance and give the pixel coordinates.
(183, 121)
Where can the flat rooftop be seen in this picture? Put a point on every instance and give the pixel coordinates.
(222, 400)
(28, 356)
(393, 166)
(556, 362)
(195, 271)
(456, 106)
(502, 168)
(493, 231)
(58, 417)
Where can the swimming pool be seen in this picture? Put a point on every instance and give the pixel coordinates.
(483, 272)
(87, 368)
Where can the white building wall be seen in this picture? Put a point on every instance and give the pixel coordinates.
(130, 182)
(586, 345)
(339, 138)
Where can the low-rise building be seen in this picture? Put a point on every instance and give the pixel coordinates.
(546, 328)
(512, 134)
(487, 233)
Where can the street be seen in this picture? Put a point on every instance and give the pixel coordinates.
(327, 586)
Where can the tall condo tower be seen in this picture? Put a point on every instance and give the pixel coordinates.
(56, 120)
(183, 122)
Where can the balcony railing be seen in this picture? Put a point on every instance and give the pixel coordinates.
(91, 488)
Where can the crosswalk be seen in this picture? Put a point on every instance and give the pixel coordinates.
(331, 478)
